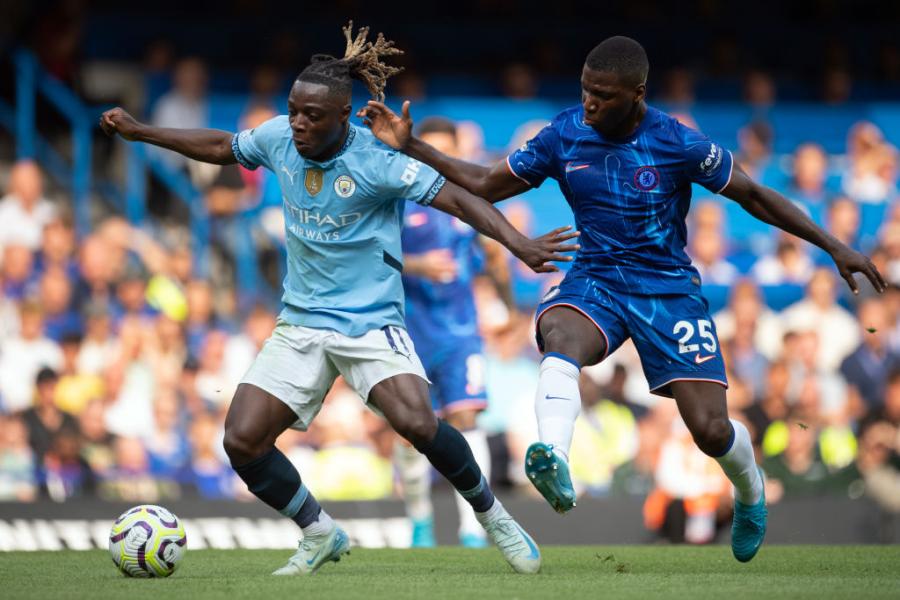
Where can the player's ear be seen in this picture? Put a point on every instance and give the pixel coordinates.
(345, 112)
(640, 92)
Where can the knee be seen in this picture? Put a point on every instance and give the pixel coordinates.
(713, 436)
(418, 428)
(241, 445)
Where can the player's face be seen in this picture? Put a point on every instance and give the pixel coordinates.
(607, 100)
(318, 119)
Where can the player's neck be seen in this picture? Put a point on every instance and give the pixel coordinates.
(334, 148)
(632, 122)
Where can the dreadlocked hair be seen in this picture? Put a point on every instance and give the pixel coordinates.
(361, 61)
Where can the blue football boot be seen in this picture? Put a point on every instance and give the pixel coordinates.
(549, 473)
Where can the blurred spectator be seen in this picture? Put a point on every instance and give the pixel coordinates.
(837, 331)
(44, 420)
(201, 319)
(95, 272)
(215, 384)
(809, 174)
(24, 212)
(837, 85)
(866, 369)
(790, 264)
(879, 463)
(635, 477)
(76, 389)
(96, 441)
(798, 470)
(185, 105)
(759, 89)
(267, 86)
(745, 305)
(99, 346)
(773, 404)
(872, 173)
(707, 251)
(519, 82)
(888, 411)
(131, 382)
(212, 477)
(843, 222)
(131, 295)
(60, 318)
(678, 88)
(17, 269)
(755, 148)
(167, 445)
(130, 480)
(23, 356)
(65, 472)
(17, 464)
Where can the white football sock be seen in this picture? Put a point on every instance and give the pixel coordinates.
(477, 440)
(324, 525)
(739, 465)
(557, 403)
(415, 476)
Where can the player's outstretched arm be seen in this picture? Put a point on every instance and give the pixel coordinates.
(487, 220)
(769, 206)
(494, 183)
(206, 145)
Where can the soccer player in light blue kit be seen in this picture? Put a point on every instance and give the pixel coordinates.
(344, 197)
(441, 257)
(626, 170)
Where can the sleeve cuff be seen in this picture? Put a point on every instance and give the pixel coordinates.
(436, 187)
(236, 150)
(513, 171)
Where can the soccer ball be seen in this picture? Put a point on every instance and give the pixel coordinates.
(147, 541)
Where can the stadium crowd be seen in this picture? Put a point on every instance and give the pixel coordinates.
(118, 359)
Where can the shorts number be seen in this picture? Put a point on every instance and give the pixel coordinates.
(474, 373)
(688, 328)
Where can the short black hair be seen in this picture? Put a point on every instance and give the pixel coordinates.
(361, 61)
(620, 55)
(436, 125)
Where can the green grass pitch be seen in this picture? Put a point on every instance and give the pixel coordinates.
(568, 572)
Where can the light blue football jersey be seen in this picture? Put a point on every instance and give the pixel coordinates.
(343, 219)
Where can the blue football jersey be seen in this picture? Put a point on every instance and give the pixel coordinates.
(629, 196)
(342, 219)
(438, 314)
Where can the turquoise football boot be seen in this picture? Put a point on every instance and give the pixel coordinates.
(749, 526)
(423, 533)
(549, 473)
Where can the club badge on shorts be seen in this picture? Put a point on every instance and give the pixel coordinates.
(313, 181)
(344, 186)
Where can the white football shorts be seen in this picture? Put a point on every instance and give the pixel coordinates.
(298, 365)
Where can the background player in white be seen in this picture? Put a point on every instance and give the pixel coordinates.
(344, 195)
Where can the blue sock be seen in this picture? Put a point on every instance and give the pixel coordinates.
(274, 480)
(450, 454)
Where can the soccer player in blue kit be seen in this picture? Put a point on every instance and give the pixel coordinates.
(344, 196)
(626, 170)
(441, 256)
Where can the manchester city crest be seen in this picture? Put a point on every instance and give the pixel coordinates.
(344, 186)
(313, 181)
(646, 178)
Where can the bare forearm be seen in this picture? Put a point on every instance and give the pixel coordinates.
(771, 207)
(206, 145)
(464, 174)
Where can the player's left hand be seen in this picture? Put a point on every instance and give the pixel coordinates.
(540, 252)
(849, 261)
(386, 125)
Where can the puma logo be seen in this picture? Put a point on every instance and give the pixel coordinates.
(289, 174)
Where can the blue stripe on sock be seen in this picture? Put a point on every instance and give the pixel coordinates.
(568, 359)
(475, 490)
(730, 443)
(296, 502)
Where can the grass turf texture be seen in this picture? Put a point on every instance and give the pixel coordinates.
(569, 572)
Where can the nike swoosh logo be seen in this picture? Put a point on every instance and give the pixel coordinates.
(700, 360)
(315, 556)
(534, 551)
(570, 167)
(549, 397)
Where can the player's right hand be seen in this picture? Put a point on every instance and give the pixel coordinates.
(393, 130)
(117, 120)
(541, 252)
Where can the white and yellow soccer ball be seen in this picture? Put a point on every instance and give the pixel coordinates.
(147, 541)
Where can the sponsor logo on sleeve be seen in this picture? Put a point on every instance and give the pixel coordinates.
(411, 171)
(712, 160)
